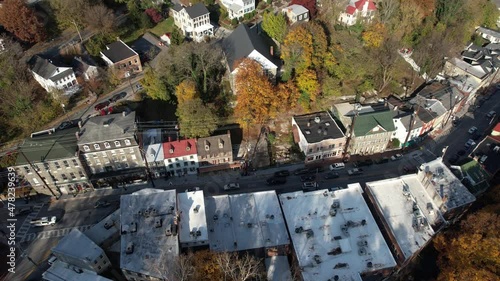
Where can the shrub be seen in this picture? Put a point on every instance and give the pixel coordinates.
(154, 15)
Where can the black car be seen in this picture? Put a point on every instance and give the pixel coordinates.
(316, 170)
(382, 161)
(367, 162)
(301, 171)
(282, 173)
(307, 178)
(117, 97)
(276, 180)
(331, 175)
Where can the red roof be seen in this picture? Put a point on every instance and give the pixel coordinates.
(179, 148)
(350, 10)
(371, 6)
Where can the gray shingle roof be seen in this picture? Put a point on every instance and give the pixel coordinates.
(118, 51)
(197, 10)
(59, 145)
(118, 127)
(325, 128)
(214, 148)
(47, 69)
(245, 40)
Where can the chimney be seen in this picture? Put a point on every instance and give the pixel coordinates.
(271, 50)
(80, 124)
(124, 113)
(169, 139)
(77, 134)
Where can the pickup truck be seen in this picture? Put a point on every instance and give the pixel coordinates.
(44, 221)
(354, 172)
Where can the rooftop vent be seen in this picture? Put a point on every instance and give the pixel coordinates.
(198, 233)
(325, 132)
(196, 209)
(133, 227)
(221, 143)
(308, 132)
(317, 119)
(207, 145)
(157, 222)
(109, 224)
(168, 229)
(327, 123)
(130, 248)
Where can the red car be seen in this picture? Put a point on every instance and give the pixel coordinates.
(101, 105)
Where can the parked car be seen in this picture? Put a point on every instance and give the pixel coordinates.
(282, 173)
(469, 144)
(192, 189)
(65, 125)
(232, 186)
(101, 204)
(309, 186)
(337, 166)
(491, 114)
(396, 157)
(301, 171)
(101, 105)
(23, 210)
(118, 97)
(472, 130)
(44, 221)
(331, 175)
(276, 180)
(307, 178)
(382, 161)
(354, 172)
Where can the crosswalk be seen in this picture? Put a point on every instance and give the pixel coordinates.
(21, 232)
(54, 233)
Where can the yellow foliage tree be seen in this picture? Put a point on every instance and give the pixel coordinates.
(256, 97)
(289, 94)
(186, 91)
(307, 82)
(374, 35)
(297, 49)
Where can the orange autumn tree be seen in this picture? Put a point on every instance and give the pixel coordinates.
(186, 91)
(297, 50)
(257, 100)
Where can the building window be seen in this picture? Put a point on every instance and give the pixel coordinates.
(192, 163)
(117, 144)
(170, 166)
(66, 164)
(127, 142)
(191, 157)
(106, 145)
(169, 160)
(46, 166)
(178, 165)
(133, 157)
(96, 146)
(80, 173)
(64, 177)
(75, 163)
(185, 164)
(57, 165)
(72, 175)
(86, 148)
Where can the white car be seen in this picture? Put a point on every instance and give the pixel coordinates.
(472, 130)
(44, 221)
(337, 166)
(396, 157)
(231, 186)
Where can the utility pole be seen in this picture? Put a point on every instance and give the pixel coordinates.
(41, 178)
(351, 131)
(148, 171)
(410, 128)
(77, 30)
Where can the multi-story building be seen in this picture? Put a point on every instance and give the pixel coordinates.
(78, 250)
(180, 157)
(318, 135)
(361, 10)
(49, 162)
(335, 236)
(53, 76)
(369, 128)
(407, 124)
(109, 147)
(193, 231)
(236, 9)
(149, 242)
(63, 271)
(120, 56)
(193, 21)
(215, 152)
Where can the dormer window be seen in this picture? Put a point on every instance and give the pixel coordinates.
(117, 144)
(86, 148)
(221, 143)
(97, 146)
(207, 145)
(106, 145)
(171, 150)
(127, 142)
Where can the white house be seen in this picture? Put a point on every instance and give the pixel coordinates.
(318, 135)
(296, 13)
(53, 77)
(181, 157)
(246, 42)
(194, 21)
(358, 10)
(238, 8)
(489, 34)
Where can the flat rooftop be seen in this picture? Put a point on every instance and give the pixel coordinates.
(447, 190)
(245, 221)
(334, 234)
(407, 209)
(63, 271)
(106, 229)
(193, 221)
(149, 243)
(77, 245)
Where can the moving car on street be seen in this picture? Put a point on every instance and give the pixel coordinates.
(396, 157)
(118, 97)
(310, 186)
(472, 130)
(44, 221)
(101, 105)
(337, 166)
(355, 172)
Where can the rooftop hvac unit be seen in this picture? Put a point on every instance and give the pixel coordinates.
(130, 248)
(198, 233)
(133, 227)
(168, 229)
(109, 224)
(157, 222)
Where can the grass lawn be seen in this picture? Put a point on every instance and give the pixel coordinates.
(163, 27)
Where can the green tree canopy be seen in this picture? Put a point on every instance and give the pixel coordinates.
(196, 119)
(275, 26)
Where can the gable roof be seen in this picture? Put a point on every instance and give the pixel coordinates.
(108, 128)
(371, 6)
(82, 64)
(366, 122)
(350, 10)
(61, 144)
(213, 145)
(488, 31)
(118, 51)
(196, 10)
(47, 69)
(179, 148)
(245, 40)
(296, 9)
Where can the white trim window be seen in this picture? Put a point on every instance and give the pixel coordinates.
(86, 148)
(117, 144)
(127, 142)
(107, 145)
(97, 146)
